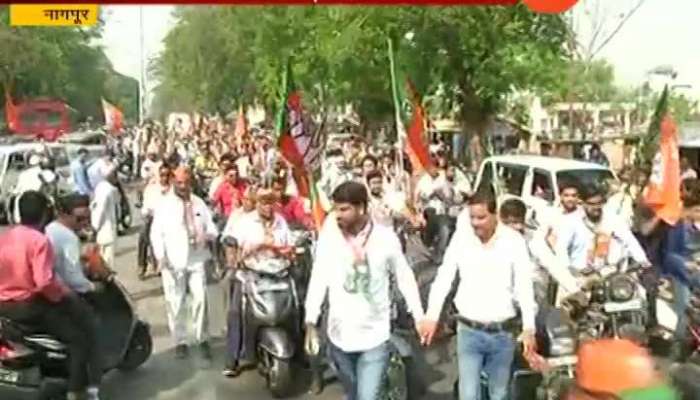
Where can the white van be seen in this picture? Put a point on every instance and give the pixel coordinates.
(535, 179)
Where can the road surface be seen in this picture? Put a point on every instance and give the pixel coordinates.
(165, 378)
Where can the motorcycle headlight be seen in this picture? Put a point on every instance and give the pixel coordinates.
(622, 288)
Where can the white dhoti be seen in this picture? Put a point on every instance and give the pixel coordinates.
(176, 285)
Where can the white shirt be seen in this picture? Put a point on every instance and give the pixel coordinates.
(426, 187)
(103, 212)
(250, 232)
(152, 196)
(29, 179)
(66, 247)
(356, 322)
(149, 169)
(244, 165)
(494, 276)
(169, 236)
(689, 174)
(98, 171)
(382, 208)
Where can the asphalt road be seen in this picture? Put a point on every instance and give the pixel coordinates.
(165, 378)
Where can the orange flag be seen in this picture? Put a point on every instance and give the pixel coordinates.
(241, 130)
(663, 192)
(114, 119)
(11, 112)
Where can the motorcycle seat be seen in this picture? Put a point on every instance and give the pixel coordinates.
(24, 333)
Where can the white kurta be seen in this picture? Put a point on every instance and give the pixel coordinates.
(103, 215)
(183, 263)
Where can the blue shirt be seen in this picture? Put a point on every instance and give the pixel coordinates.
(79, 174)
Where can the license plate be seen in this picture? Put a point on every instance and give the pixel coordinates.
(8, 375)
(562, 361)
(632, 305)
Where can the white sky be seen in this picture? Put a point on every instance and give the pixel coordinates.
(657, 34)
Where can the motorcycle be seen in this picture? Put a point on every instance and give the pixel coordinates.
(617, 306)
(35, 366)
(271, 312)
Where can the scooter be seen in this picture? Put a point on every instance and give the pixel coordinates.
(271, 319)
(34, 365)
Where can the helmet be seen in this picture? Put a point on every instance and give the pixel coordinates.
(614, 366)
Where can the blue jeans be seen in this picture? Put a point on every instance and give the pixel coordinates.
(681, 299)
(480, 351)
(361, 373)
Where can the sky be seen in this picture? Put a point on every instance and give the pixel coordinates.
(661, 32)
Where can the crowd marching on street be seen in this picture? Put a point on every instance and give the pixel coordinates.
(218, 203)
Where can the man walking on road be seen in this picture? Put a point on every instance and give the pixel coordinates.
(104, 216)
(355, 260)
(182, 226)
(79, 173)
(153, 196)
(496, 272)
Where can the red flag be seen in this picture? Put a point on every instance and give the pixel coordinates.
(663, 192)
(114, 119)
(11, 112)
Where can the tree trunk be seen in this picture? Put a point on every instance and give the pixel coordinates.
(474, 122)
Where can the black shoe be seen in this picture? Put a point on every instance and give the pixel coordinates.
(206, 350)
(181, 351)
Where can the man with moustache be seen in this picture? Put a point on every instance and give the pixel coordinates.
(181, 229)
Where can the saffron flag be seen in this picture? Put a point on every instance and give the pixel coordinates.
(114, 119)
(11, 113)
(241, 130)
(663, 191)
(412, 141)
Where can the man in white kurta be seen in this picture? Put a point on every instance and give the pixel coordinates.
(103, 215)
(182, 227)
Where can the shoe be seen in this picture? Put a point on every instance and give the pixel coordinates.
(316, 383)
(231, 370)
(206, 350)
(181, 351)
(142, 274)
(93, 393)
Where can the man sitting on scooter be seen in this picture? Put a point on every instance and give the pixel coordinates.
(74, 216)
(31, 294)
(262, 244)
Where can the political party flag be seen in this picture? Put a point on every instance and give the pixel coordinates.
(241, 130)
(114, 119)
(412, 141)
(300, 147)
(663, 191)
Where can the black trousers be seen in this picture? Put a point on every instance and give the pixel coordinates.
(437, 232)
(71, 321)
(144, 242)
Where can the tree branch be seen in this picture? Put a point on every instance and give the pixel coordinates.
(618, 28)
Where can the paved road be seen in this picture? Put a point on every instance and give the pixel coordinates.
(164, 378)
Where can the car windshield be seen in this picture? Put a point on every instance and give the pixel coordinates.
(585, 177)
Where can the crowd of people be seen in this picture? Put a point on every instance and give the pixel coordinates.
(201, 183)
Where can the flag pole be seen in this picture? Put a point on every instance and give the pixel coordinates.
(400, 133)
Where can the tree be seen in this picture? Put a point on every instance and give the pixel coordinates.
(478, 55)
(62, 63)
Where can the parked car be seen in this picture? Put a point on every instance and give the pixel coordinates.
(14, 158)
(535, 179)
(95, 142)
